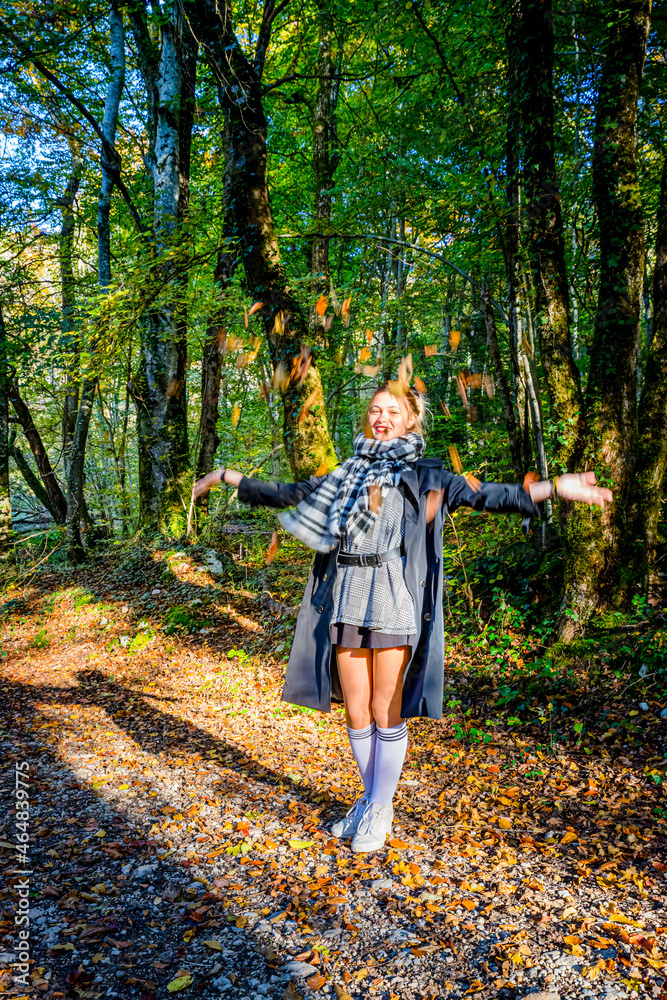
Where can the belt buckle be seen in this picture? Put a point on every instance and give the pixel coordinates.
(371, 559)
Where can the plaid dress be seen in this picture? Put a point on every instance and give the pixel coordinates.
(376, 597)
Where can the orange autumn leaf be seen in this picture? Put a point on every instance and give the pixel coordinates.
(475, 485)
(245, 317)
(321, 305)
(345, 311)
(489, 386)
(279, 323)
(461, 386)
(419, 385)
(236, 414)
(457, 464)
(398, 844)
(475, 380)
(430, 350)
(405, 371)
(445, 410)
(322, 469)
(305, 409)
(316, 982)
(369, 370)
(454, 338)
(254, 307)
(369, 336)
(272, 549)
(365, 353)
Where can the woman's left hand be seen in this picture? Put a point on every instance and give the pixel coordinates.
(581, 486)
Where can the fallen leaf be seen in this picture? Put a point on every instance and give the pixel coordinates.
(316, 982)
(213, 944)
(398, 844)
(179, 983)
(299, 845)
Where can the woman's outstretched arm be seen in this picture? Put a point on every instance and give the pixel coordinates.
(578, 486)
(229, 476)
(259, 492)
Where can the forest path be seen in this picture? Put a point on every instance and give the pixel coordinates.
(179, 819)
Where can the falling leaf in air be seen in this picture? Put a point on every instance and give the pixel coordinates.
(374, 498)
(254, 307)
(328, 322)
(475, 380)
(335, 304)
(236, 414)
(322, 469)
(457, 464)
(430, 350)
(179, 983)
(321, 305)
(221, 340)
(369, 370)
(489, 385)
(345, 311)
(369, 336)
(472, 414)
(245, 317)
(365, 353)
(279, 323)
(264, 392)
(445, 410)
(454, 338)
(270, 556)
(433, 502)
(305, 409)
(242, 360)
(405, 371)
(419, 385)
(461, 386)
(280, 377)
(473, 482)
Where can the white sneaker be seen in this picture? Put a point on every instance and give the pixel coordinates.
(373, 829)
(347, 827)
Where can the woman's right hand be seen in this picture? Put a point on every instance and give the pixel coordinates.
(228, 476)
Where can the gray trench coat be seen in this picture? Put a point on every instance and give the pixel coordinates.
(312, 677)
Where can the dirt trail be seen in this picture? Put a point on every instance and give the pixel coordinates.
(179, 813)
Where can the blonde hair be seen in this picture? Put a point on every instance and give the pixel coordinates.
(413, 404)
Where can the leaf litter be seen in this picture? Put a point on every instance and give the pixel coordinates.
(179, 822)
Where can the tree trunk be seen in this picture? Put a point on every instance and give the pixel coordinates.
(531, 49)
(33, 482)
(6, 533)
(169, 77)
(651, 464)
(325, 159)
(596, 568)
(215, 338)
(305, 430)
(75, 474)
(69, 332)
(503, 386)
(51, 485)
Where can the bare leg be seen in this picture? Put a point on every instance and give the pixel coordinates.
(355, 669)
(388, 669)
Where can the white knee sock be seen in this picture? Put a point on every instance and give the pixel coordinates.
(363, 743)
(390, 751)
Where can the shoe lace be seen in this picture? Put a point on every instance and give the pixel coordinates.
(360, 805)
(370, 818)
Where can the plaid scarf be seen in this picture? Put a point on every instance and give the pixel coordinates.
(343, 501)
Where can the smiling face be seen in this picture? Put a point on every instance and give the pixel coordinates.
(387, 418)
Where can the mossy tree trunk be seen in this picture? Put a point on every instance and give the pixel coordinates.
(305, 430)
(6, 533)
(167, 52)
(531, 49)
(651, 465)
(597, 573)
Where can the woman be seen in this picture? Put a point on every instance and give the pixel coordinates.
(374, 596)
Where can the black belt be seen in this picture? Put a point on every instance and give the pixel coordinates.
(368, 558)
